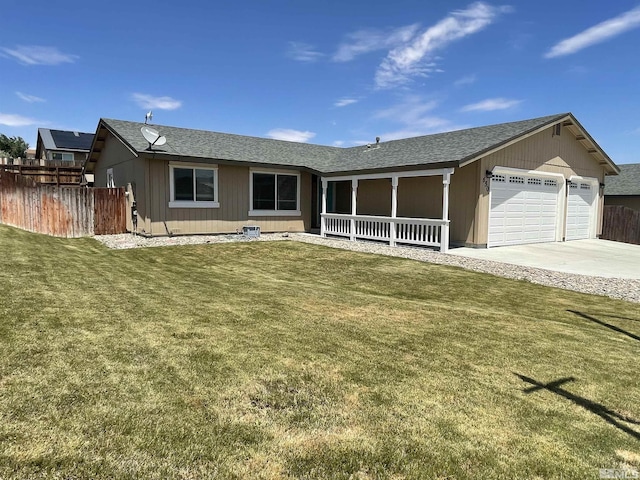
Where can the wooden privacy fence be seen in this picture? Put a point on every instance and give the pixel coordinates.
(621, 224)
(52, 175)
(61, 211)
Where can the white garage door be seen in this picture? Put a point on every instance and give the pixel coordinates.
(579, 210)
(524, 209)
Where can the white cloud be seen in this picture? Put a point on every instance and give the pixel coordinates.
(415, 57)
(365, 41)
(596, 34)
(29, 98)
(491, 104)
(411, 109)
(290, 135)
(38, 55)
(416, 118)
(338, 143)
(343, 102)
(12, 120)
(466, 80)
(159, 103)
(303, 52)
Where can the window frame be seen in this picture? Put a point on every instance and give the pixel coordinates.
(275, 212)
(110, 178)
(62, 159)
(193, 203)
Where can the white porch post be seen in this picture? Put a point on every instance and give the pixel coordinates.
(444, 234)
(394, 211)
(323, 227)
(354, 210)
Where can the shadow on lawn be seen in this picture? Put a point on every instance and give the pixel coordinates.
(609, 416)
(621, 318)
(607, 325)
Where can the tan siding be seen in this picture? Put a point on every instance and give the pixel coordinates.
(420, 197)
(629, 201)
(113, 155)
(374, 197)
(543, 152)
(233, 196)
(463, 202)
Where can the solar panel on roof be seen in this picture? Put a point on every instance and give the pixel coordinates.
(69, 140)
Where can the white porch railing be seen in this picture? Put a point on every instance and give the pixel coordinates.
(413, 231)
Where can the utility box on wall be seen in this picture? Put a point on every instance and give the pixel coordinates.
(251, 231)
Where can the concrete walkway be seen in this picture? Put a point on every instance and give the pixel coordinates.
(599, 258)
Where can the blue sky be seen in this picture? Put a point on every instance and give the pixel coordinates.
(333, 73)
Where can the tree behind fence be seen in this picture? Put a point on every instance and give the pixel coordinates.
(621, 224)
(65, 211)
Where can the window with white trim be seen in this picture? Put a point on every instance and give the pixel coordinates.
(274, 194)
(193, 186)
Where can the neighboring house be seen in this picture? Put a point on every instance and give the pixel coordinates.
(62, 147)
(624, 189)
(537, 180)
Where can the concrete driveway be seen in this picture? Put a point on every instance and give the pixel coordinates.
(598, 258)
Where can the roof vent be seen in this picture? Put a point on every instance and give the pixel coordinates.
(76, 134)
(377, 140)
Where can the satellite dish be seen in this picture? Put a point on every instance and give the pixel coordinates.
(152, 136)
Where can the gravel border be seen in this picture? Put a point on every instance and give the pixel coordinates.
(621, 288)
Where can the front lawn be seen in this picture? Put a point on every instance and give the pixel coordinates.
(288, 360)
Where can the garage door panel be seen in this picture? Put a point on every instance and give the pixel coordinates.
(523, 210)
(580, 206)
(514, 209)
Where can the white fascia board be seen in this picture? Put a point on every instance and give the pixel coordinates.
(400, 174)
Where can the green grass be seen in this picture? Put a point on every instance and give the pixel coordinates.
(287, 360)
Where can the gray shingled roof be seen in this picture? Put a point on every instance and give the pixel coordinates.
(450, 148)
(627, 182)
(184, 142)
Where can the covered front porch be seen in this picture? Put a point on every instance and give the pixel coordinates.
(409, 207)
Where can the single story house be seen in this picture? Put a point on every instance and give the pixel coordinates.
(537, 180)
(62, 147)
(624, 189)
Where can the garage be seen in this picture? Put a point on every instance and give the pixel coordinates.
(523, 208)
(580, 207)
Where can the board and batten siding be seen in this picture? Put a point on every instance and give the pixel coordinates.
(543, 152)
(231, 215)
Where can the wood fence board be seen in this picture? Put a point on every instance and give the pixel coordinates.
(621, 224)
(61, 211)
(109, 210)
